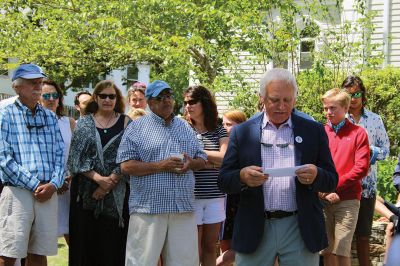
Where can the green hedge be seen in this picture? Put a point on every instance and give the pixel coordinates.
(383, 95)
(385, 182)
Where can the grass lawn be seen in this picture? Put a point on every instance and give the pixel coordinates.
(62, 257)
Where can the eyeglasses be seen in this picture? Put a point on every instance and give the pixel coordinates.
(283, 145)
(356, 95)
(279, 145)
(47, 96)
(103, 96)
(190, 102)
(164, 97)
(36, 124)
(141, 89)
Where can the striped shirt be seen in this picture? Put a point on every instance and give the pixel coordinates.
(150, 139)
(277, 151)
(206, 179)
(31, 147)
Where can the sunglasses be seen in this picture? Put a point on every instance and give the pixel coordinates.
(280, 145)
(356, 95)
(47, 96)
(164, 97)
(190, 102)
(103, 96)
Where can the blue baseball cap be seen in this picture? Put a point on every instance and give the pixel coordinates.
(28, 71)
(155, 88)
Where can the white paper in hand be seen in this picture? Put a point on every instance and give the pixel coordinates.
(279, 172)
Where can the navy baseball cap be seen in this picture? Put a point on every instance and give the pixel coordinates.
(28, 71)
(155, 88)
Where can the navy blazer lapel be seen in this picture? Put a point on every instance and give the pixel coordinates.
(255, 137)
(298, 135)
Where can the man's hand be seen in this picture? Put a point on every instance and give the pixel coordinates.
(253, 176)
(173, 164)
(44, 192)
(307, 174)
(187, 165)
(332, 198)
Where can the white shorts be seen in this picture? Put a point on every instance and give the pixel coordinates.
(210, 211)
(26, 225)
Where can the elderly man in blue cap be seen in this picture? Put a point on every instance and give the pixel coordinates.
(160, 151)
(31, 170)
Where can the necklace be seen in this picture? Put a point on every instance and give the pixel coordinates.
(105, 128)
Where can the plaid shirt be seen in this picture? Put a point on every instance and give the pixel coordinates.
(277, 151)
(31, 147)
(149, 139)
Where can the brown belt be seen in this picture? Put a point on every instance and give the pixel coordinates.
(278, 214)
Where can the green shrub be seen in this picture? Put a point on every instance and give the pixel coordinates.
(383, 96)
(385, 182)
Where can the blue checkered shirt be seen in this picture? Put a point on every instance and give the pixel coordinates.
(149, 139)
(31, 147)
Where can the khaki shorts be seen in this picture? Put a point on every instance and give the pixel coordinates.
(340, 221)
(172, 235)
(26, 225)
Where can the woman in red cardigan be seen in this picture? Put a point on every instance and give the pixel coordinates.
(350, 152)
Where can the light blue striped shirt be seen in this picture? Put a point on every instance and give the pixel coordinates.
(150, 139)
(31, 147)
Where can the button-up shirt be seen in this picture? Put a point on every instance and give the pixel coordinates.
(31, 147)
(277, 151)
(150, 139)
(379, 141)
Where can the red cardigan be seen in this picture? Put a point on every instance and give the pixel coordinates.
(350, 153)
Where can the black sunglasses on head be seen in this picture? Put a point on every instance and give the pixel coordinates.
(103, 96)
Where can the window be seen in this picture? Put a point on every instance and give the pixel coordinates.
(3, 67)
(131, 75)
(307, 47)
(307, 44)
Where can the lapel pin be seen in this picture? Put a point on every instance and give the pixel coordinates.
(298, 139)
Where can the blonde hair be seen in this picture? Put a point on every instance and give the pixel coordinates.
(338, 95)
(136, 113)
(236, 116)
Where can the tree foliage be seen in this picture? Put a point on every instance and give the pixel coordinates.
(80, 40)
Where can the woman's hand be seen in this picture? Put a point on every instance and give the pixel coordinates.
(99, 193)
(65, 186)
(106, 182)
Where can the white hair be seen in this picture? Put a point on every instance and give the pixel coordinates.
(277, 74)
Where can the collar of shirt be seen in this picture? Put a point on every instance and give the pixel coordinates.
(161, 120)
(364, 115)
(337, 127)
(266, 122)
(24, 108)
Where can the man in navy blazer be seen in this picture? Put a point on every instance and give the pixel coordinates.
(278, 216)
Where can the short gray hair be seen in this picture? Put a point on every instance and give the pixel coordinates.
(18, 82)
(277, 74)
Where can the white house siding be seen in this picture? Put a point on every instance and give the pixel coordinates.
(394, 33)
(377, 36)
